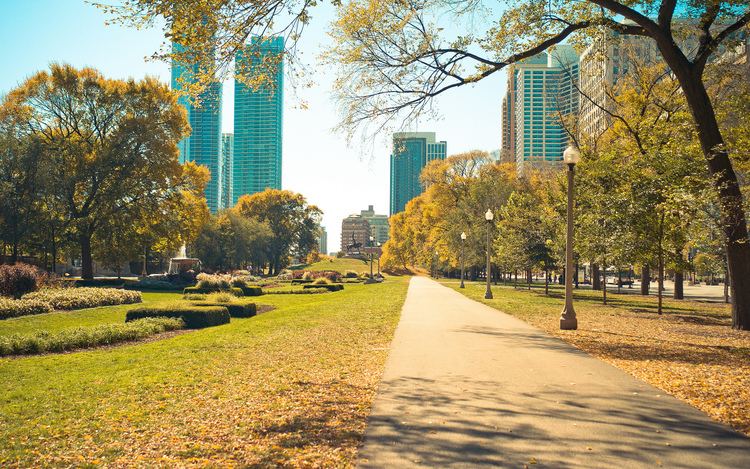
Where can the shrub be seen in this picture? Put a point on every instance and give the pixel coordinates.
(100, 282)
(233, 290)
(220, 298)
(329, 287)
(83, 337)
(149, 283)
(321, 281)
(308, 290)
(236, 310)
(194, 297)
(214, 282)
(19, 279)
(195, 317)
(307, 276)
(252, 290)
(351, 274)
(238, 282)
(85, 297)
(15, 308)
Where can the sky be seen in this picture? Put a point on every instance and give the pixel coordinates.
(339, 178)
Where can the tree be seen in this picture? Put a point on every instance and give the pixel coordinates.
(111, 144)
(292, 221)
(229, 240)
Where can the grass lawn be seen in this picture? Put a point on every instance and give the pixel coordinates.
(53, 322)
(341, 264)
(690, 351)
(291, 387)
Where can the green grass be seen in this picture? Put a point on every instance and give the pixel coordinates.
(341, 265)
(57, 321)
(289, 387)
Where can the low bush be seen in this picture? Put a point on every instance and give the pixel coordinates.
(307, 276)
(308, 290)
(329, 287)
(84, 337)
(15, 308)
(351, 274)
(193, 297)
(214, 282)
(302, 281)
(153, 284)
(252, 290)
(195, 317)
(222, 297)
(19, 279)
(84, 297)
(100, 282)
(236, 310)
(321, 281)
(198, 290)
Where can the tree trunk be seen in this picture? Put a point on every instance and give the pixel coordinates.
(546, 281)
(619, 280)
(678, 285)
(726, 283)
(645, 279)
(596, 281)
(723, 176)
(660, 255)
(87, 264)
(604, 283)
(528, 279)
(515, 282)
(575, 277)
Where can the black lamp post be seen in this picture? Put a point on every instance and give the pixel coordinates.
(379, 275)
(371, 242)
(568, 320)
(489, 216)
(463, 240)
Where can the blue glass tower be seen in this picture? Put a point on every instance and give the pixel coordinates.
(227, 161)
(258, 117)
(203, 146)
(411, 152)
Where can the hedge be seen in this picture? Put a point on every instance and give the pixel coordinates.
(100, 282)
(85, 297)
(83, 337)
(329, 287)
(313, 289)
(236, 310)
(252, 290)
(195, 317)
(236, 291)
(15, 308)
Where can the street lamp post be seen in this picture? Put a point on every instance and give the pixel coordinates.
(489, 216)
(379, 253)
(437, 259)
(568, 320)
(463, 239)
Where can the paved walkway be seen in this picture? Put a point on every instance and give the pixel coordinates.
(466, 385)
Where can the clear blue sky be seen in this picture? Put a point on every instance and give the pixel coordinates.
(340, 179)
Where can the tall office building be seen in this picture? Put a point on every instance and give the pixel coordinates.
(379, 227)
(508, 144)
(546, 91)
(355, 229)
(227, 161)
(258, 119)
(323, 241)
(203, 146)
(411, 152)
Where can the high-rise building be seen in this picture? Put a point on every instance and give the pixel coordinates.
(203, 146)
(258, 116)
(323, 241)
(379, 227)
(543, 90)
(508, 144)
(411, 153)
(354, 229)
(227, 159)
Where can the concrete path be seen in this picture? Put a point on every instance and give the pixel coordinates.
(466, 385)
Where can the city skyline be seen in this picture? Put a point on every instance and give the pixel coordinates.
(51, 32)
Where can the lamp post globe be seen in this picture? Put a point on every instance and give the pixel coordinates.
(568, 320)
(463, 239)
(489, 216)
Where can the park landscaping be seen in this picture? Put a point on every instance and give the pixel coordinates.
(292, 387)
(690, 351)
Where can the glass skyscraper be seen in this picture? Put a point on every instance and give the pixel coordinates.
(258, 119)
(203, 146)
(227, 162)
(411, 152)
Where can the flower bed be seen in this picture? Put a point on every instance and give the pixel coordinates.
(85, 337)
(15, 308)
(84, 297)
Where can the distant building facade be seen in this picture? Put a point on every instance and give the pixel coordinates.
(411, 153)
(355, 229)
(542, 91)
(379, 227)
(203, 145)
(227, 162)
(258, 118)
(323, 241)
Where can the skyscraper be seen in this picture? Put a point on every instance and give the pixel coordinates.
(227, 159)
(411, 152)
(258, 118)
(203, 146)
(542, 90)
(379, 227)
